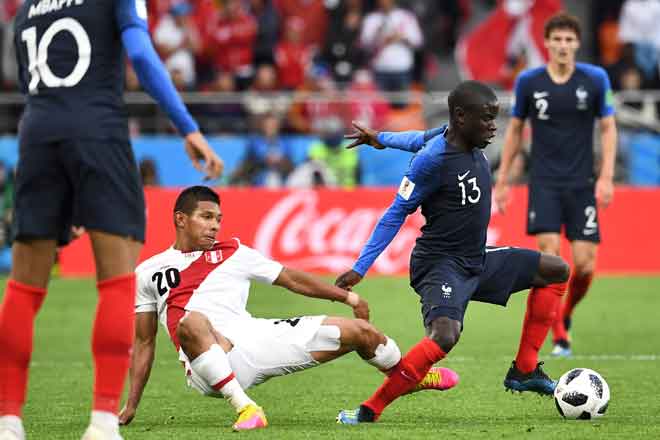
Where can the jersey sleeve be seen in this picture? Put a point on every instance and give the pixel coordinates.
(520, 99)
(258, 267)
(605, 95)
(412, 141)
(420, 181)
(145, 300)
(131, 16)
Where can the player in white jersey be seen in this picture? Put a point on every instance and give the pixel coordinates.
(198, 289)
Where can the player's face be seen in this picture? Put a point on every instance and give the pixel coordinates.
(562, 44)
(480, 124)
(202, 226)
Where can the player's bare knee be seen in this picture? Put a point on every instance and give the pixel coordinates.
(445, 332)
(190, 330)
(552, 269)
(369, 336)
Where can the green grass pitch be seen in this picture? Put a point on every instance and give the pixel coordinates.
(616, 332)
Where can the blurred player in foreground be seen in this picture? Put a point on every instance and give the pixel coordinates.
(76, 165)
(562, 101)
(198, 289)
(449, 177)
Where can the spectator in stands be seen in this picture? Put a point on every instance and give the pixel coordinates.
(268, 28)
(292, 55)
(366, 103)
(342, 51)
(330, 152)
(268, 160)
(177, 41)
(234, 37)
(148, 172)
(639, 25)
(391, 35)
(264, 96)
(227, 115)
(316, 101)
(312, 12)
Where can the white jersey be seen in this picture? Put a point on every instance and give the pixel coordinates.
(215, 282)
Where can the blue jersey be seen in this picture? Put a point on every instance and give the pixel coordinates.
(562, 118)
(71, 67)
(453, 188)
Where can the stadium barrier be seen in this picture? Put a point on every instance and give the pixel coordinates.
(324, 230)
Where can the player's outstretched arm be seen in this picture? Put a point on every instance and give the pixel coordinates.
(131, 18)
(146, 327)
(411, 141)
(511, 148)
(309, 285)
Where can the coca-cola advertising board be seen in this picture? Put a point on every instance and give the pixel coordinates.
(324, 230)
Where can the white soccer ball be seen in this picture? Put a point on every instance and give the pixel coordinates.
(582, 394)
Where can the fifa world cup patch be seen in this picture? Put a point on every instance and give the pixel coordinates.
(141, 9)
(406, 188)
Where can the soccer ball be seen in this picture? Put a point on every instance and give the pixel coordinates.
(582, 394)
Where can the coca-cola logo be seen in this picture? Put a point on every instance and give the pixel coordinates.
(302, 231)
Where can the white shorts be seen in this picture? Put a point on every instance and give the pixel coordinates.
(265, 348)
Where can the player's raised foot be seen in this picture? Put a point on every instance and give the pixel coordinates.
(250, 417)
(356, 416)
(11, 428)
(535, 381)
(94, 432)
(438, 378)
(562, 349)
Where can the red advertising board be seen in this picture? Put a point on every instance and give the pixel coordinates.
(324, 230)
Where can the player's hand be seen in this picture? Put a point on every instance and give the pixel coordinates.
(348, 279)
(502, 193)
(199, 150)
(126, 415)
(364, 136)
(604, 192)
(361, 309)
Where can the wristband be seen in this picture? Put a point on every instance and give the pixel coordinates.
(352, 299)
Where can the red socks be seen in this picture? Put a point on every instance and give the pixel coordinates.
(19, 308)
(405, 375)
(112, 340)
(577, 289)
(540, 315)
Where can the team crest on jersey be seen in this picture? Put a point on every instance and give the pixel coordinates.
(213, 257)
(582, 96)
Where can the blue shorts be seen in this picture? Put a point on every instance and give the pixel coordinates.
(445, 286)
(549, 208)
(95, 184)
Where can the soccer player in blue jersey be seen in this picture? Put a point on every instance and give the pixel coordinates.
(449, 177)
(562, 101)
(76, 166)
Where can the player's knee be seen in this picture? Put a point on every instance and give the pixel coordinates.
(584, 269)
(188, 331)
(445, 332)
(553, 269)
(369, 337)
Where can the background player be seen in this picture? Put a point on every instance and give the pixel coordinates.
(199, 289)
(76, 165)
(450, 265)
(562, 100)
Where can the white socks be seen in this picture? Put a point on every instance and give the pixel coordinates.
(386, 355)
(12, 424)
(213, 366)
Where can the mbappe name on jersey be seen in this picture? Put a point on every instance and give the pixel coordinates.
(47, 6)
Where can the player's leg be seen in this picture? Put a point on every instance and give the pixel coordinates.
(26, 289)
(584, 265)
(41, 216)
(207, 350)
(375, 348)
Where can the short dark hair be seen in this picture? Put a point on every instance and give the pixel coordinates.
(562, 20)
(470, 95)
(189, 197)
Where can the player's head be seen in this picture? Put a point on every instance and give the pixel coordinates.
(197, 218)
(562, 38)
(473, 108)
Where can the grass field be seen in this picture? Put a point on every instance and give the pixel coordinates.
(616, 332)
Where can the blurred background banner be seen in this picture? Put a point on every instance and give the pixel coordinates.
(324, 230)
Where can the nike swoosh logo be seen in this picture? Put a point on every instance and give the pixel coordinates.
(464, 175)
(539, 95)
(404, 374)
(588, 231)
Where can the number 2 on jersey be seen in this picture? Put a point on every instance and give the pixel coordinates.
(166, 280)
(38, 54)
